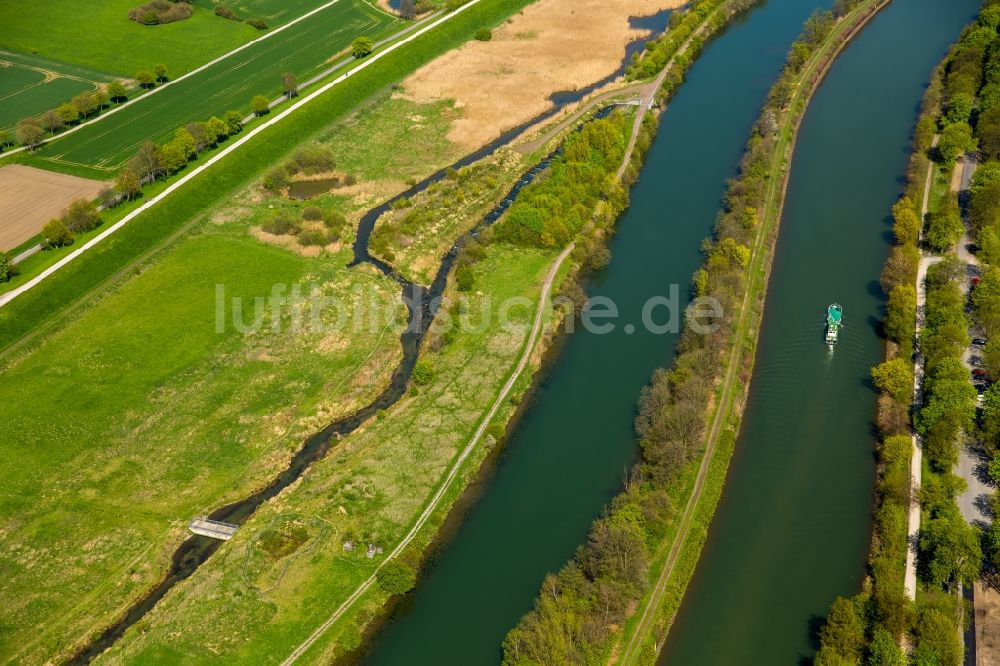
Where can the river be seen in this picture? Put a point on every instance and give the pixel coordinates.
(793, 527)
(571, 448)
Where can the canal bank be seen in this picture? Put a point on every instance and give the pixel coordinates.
(792, 529)
(569, 453)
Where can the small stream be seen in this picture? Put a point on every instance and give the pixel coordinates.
(422, 304)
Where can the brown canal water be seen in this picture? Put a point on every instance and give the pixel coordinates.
(570, 450)
(793, 528)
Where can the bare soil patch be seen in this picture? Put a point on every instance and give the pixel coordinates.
(987, 609)
(31, 197)
(551, 46)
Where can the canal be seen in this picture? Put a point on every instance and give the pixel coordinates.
(793, 527)
(571, 448)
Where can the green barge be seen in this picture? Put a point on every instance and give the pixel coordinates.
(834, 321)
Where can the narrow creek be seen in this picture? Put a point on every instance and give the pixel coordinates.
(422, 304)
(574, 442)
(793, 528)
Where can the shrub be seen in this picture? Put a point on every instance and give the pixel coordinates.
(484, 34)
(226, 12)
(396, 578)
(284, 223)
(275, 180)
(423, 372)
(160, 11)
(312, 213)
(55, 234)
(335, 222)
(313, 236)
(260, 24)
(7, 270)
(312, 159)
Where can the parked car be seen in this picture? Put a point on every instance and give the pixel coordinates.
(979, 342)
(980, 388)
(975, 280)
(978, 372)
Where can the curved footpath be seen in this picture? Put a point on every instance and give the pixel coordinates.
(813, 75)
(916, 454)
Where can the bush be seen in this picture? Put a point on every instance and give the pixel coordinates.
(312, 213)
(275, 180)
(281, 224)
(311, 159)
(314, 236)
(160, 11)
(226, 13)
(484, 35)
(423, 372)
(260, 24)
(55, 234)
(7, 270)
(396, 578)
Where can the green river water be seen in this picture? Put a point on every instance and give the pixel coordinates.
(794, 524)
(793, 527)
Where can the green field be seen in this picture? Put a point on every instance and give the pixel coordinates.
(370, 489)
(30, 85)
(33, 311)
(229, 84)
(98, 33)
(146, 371)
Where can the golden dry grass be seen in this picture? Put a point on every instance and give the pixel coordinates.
(552, 45)
(31, 197)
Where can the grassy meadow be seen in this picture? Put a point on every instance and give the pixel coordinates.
(262, 601)
(99, 34)
(302, 49)
(142, 415)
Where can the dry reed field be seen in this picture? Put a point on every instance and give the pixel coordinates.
(551, 46)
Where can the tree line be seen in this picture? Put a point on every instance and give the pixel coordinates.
(31, 132)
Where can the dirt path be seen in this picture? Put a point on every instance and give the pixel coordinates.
(773, 207)
(432, 506)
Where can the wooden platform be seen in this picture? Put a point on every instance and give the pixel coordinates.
(213, 528)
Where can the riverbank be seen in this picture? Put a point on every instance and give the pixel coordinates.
(657, 612)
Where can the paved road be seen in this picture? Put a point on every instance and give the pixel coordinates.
(974, 503)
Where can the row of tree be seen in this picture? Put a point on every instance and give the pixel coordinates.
(872, 624)
(153, 162)
(580, 609)
(31, 132)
